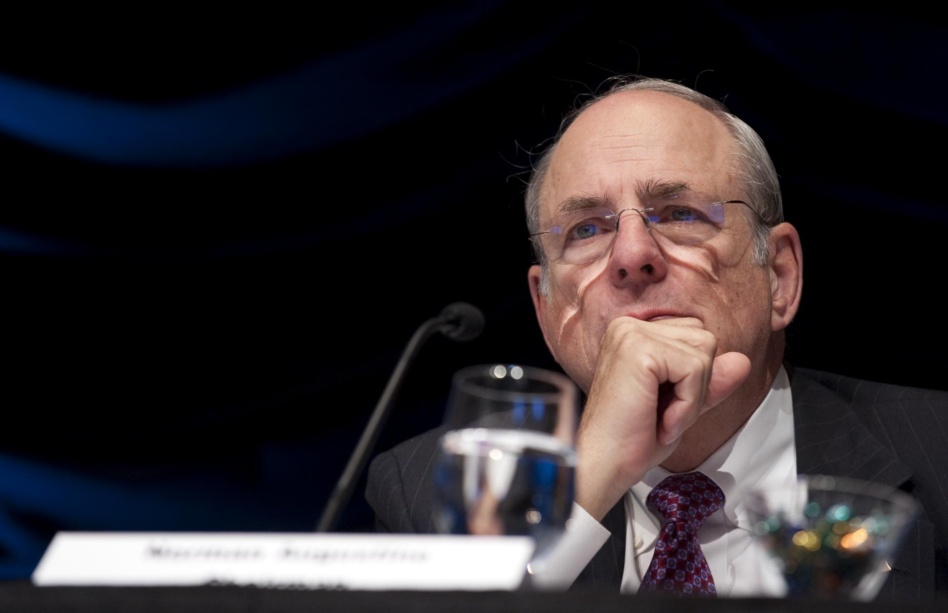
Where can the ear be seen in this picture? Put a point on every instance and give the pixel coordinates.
(534, 275)
(786, 275)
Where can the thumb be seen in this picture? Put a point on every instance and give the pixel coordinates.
(728, 373)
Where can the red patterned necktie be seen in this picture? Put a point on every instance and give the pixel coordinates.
(678, 566)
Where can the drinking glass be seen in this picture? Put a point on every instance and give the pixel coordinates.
(830, 537)
(507, 458)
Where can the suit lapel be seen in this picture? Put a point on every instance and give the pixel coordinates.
(831, 439)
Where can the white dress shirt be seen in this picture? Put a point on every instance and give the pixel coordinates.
(761, 454)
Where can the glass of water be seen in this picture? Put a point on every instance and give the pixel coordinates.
(507, 459)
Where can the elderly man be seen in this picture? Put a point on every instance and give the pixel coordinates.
(665, 281)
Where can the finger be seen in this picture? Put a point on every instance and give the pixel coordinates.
(686, 330)
(692, 396)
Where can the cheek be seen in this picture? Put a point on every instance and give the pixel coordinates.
(733, 291)
(570, 290)
(713, 260)
(572, 325)
(745, 299)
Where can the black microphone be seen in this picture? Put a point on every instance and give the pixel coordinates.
(461, 321)
(458, 321)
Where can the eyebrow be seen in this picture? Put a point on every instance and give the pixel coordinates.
(662, 189)
(577, 203)
(652, 188)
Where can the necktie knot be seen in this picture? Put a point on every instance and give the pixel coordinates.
(683, 501)
(687, 498)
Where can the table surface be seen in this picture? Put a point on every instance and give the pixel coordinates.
(23, 596)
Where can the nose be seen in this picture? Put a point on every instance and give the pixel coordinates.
(635, 257)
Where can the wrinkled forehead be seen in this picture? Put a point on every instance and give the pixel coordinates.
(632, 139)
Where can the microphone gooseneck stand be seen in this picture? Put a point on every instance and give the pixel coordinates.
(459, 321)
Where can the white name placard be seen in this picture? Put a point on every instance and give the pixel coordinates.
(308, 561)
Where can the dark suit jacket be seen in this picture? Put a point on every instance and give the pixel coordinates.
(845, 427)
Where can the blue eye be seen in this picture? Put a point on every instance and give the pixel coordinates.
(684, 214)
(676, 214)
(586, 230)
(590, 224)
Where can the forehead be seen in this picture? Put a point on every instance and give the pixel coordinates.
(632, 139)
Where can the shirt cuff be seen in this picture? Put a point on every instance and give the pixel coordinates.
(564, 561)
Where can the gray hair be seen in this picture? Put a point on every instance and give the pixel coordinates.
(755, 168)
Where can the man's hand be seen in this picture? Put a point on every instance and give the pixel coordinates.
(653, 380)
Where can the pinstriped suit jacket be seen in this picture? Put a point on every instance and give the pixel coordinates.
(845, 427)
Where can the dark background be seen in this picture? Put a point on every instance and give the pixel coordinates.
(220, 229)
